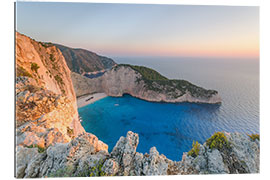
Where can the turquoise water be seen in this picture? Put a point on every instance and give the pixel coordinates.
(173, 127)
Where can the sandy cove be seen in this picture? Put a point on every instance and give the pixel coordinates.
(90, 98)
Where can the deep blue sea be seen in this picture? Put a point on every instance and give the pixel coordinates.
(173, 127)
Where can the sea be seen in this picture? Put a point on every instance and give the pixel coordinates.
(172, 128)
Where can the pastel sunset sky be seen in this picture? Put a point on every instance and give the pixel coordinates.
(144, 30)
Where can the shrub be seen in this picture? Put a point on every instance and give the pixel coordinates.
(253, 137)
(195, 149)
(58, 79)
(156, 82)
(40, 149)
(32, 88)
(218, 141)
(34, 67)
(20, 71)
(63, 172)
(97, 170)
(147, 73)
(52, 58)
(70, 131)
(48, 44)
(69, 171)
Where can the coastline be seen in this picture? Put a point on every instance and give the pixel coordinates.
(82, 101)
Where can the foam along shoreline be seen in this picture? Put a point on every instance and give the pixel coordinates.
(88, 99)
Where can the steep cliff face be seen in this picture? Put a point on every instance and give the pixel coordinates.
(46, 110)
(44, 93)
(81, 60)
(125, 79)
(83, 85)
(44, 63)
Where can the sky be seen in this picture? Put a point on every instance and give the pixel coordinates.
(144, 30)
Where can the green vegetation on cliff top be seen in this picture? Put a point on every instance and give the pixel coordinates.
(194, 152)
(157, 82)
(147, 73)
(218, 141)
(254, 136)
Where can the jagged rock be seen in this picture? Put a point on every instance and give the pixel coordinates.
(242, 156)
(28, 162)
(110, 167)
(43, 118)
(133, 163)
(86, 163)
(90, 141)
(154, 164)
(84, 156)
(124, 151)
(245, 155)
(30, 138)
(137, 165)
(83, 150)
(215, 163)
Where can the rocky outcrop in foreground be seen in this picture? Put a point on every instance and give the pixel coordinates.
(143, 83)
(86, 156)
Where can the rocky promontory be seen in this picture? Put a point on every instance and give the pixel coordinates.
(143, 83)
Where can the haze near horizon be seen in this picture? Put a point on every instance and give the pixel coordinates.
(144, 30)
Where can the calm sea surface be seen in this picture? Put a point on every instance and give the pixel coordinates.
(173, 127)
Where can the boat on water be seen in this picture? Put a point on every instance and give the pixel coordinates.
(89, 98)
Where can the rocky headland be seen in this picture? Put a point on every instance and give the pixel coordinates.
(143, 83)
(50, 141)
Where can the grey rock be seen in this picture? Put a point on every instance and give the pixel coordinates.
(88, 162)
(137, 164)
(110, 167)
(124, 151)
(80, 156)
(215, 162)
(245, 151)
(154, 164)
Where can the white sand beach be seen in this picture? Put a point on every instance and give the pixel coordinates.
(88, 99)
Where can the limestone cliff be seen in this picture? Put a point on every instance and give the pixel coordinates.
(45, 98)
(143, 83)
